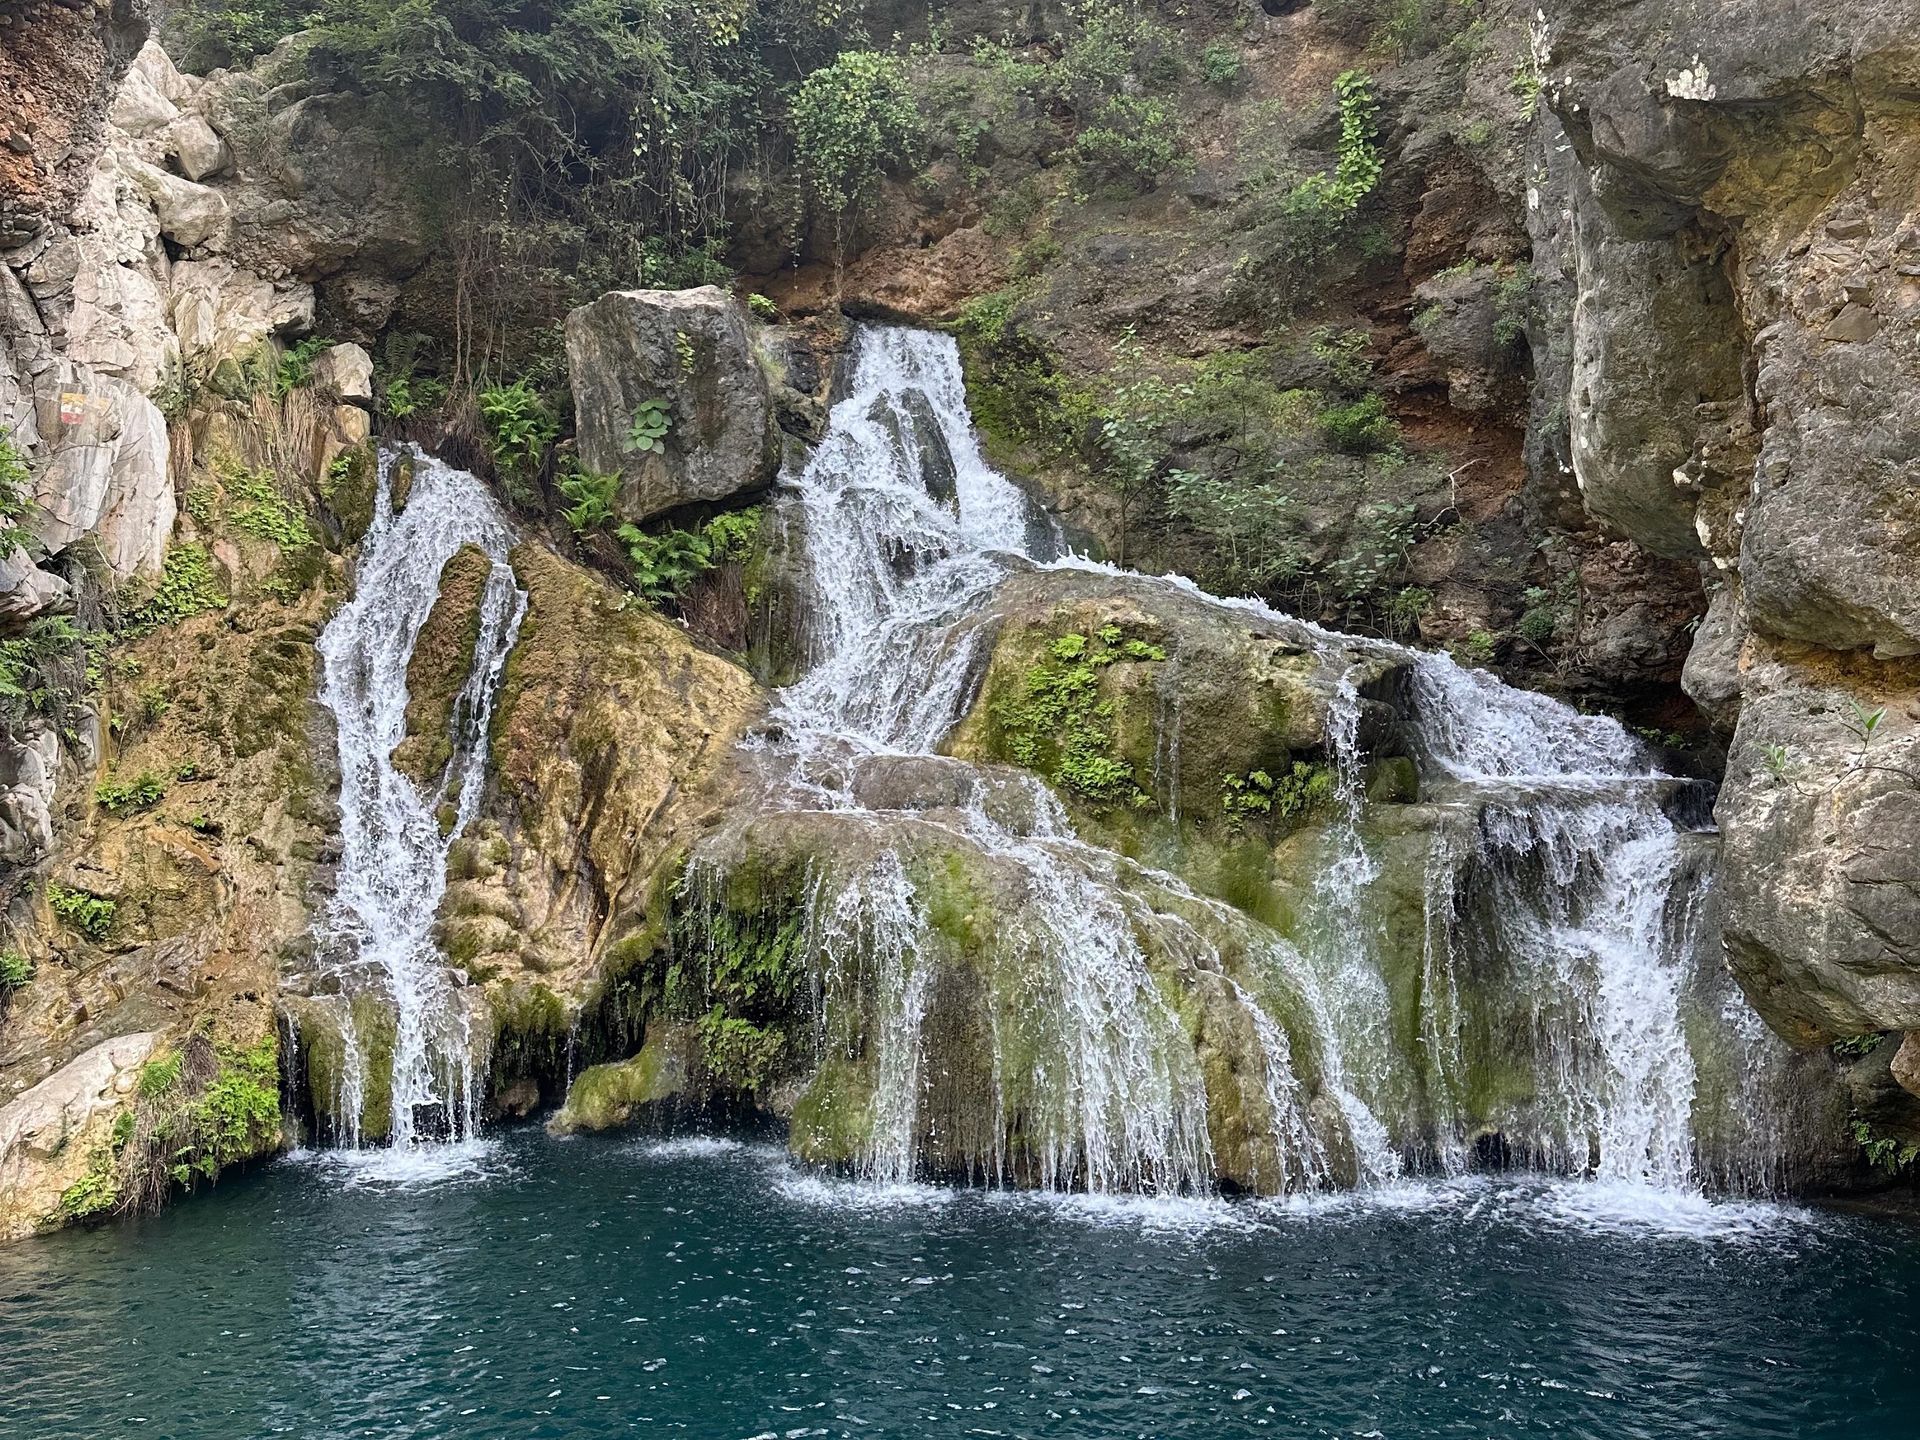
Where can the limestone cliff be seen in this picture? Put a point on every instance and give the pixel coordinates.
(1745, 234)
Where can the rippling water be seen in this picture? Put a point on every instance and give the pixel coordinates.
(542, 1288)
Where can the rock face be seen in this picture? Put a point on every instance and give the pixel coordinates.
(691, 352)
(1746, 366)
(48, 1133)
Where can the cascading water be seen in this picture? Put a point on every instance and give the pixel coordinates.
(378, 928)
(1565, 879)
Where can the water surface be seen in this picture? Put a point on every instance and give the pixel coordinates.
(540, 1288)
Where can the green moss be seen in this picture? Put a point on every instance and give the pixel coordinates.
(347, 491)
(833, 1121)
(605, 1096)
(1062, 720)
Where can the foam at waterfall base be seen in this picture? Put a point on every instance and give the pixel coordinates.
(1612, 1207)
(458, 1162)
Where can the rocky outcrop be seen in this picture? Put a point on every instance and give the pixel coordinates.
(1092, 676)
(49, 1133)
(442, 660)
(1746, 361)
(669, 393)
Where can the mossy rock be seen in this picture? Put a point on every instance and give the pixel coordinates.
(441, 663)
(605, 1097)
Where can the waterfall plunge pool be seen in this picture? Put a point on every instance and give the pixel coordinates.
(705, 1288)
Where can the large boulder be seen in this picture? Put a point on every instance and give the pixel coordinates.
(107, 471)
(690, 350)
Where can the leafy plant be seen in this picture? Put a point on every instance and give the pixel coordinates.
(519, 427)
(762, 306)
(43, 670)
(1221, 66)
(1361, 427)
(1059, 723)
(296, 365)
(124, 797)
(16, 971)
(187, 588)
(1297, 792)
(1883, 1152)
(593, 497)
(16, 494)
(849, 118)
(648, 433)
(90, 914)
(664, 564)
(1853, 1047)
(265, 513)
(1131, 144)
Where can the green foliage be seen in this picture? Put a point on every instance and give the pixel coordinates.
(520, 428)
(1304, 788)
(1107, 44)
(1358, 165)
(159, 1076)
(1779, 760)
(1407, 608)
(1361, 427)
(1526, 85)
(1253, 526)
(1478, 647)
(125, 797)
(16, 971)
(209, 34)
(1131, 144)
(1221, 67)
(762, 307)
(592, 496)
(234, 1117)
(664, 565)
(95, 1194)
(296, 365)
(92, 915)
(43, 670)
(850, 117)
(264, 512)
(16, 494)
(743, 1053)
(187, 588)
(1398, 28)
(1854, 1047)
(648, 433)
(1883, 1152)
(1059, 723)
(1512, 303)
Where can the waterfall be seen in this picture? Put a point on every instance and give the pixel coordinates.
(392, 873)
(1563, 944)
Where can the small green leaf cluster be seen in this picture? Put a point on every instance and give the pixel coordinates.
(265, 513)
(648, 433)
(664, 565)
(16, 970)
(1883, 1152)
(90, 914)
(592, 496)
(125, 797)
(1132, 143)
(44, 670)
(1296, 792)
(16, 494)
